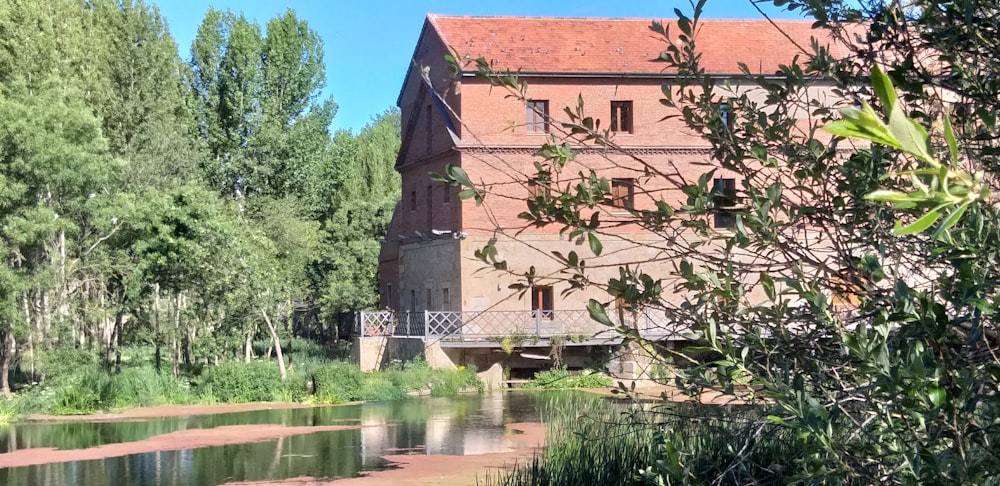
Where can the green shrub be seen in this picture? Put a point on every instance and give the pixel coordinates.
(379, 387)
(558, 378)
(337, 383)
(294, 389)
(143, 387)
(8, 412)
(238, 382)
(447, 383)
(83, 394)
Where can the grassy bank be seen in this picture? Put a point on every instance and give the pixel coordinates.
(315, 377)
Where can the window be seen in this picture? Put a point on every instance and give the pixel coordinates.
(537, 116)
(430, 300)
(413, 201)
(428, 129)
(537, 189)
(621, 116)
(388, 296)
(447, 194)
(445, 299)
(541, 300)
(727, 115)
(724, 197)
(413, 300)
(622, 193)
(430, 212)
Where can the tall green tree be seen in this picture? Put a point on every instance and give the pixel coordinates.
(259, 106)
(55, 161)
(355, 200)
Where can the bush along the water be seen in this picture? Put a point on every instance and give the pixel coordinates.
(235, 382)
(559, 378)
(314, 381)
(342, 382)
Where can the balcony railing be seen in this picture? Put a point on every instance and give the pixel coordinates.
(495, 325)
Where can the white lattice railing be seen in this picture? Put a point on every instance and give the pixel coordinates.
(491, 325)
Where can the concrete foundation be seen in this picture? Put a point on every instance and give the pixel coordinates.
(623, 363)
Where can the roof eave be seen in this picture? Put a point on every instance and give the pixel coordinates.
(610, 74)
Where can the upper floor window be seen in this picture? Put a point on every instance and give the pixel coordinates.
(728, 118)
(725, 199)
(413, 200)
(622, 193)
(447, 194)
(537, 116)
(621, 116)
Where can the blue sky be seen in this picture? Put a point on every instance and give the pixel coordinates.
(368, 43)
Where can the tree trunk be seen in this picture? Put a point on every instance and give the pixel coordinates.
(175, 355)
(119, 327)
(277, 344)
(156, 323)
(8, 352)
(248, 348)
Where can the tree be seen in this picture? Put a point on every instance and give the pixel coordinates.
(54, 161)
(872, 349)
(354, 199)
(258, 108)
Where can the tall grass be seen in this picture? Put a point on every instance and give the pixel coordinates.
(598, 442)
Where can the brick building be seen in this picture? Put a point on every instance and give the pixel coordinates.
(427, 261)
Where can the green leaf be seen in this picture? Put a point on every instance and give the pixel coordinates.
(768, 283)
(595, 243)
(937, 395)
(459, 175)
(887, 195)
(597, 312)
(952, 219)
(917, 226)
(911, 136)
(884, 89)
(949, 136)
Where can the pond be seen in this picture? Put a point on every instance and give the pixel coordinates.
(463, 425)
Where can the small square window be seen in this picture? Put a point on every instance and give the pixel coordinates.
(726, 201)
(621, 116)
(537, 116)
(413, 201)
(623, 193)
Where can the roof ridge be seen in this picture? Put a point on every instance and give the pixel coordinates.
(623, 19)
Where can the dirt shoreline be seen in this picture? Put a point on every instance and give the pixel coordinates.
(173, 441)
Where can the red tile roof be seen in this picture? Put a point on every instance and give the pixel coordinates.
(600, 45)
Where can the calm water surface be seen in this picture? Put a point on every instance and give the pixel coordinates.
(468, 424)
